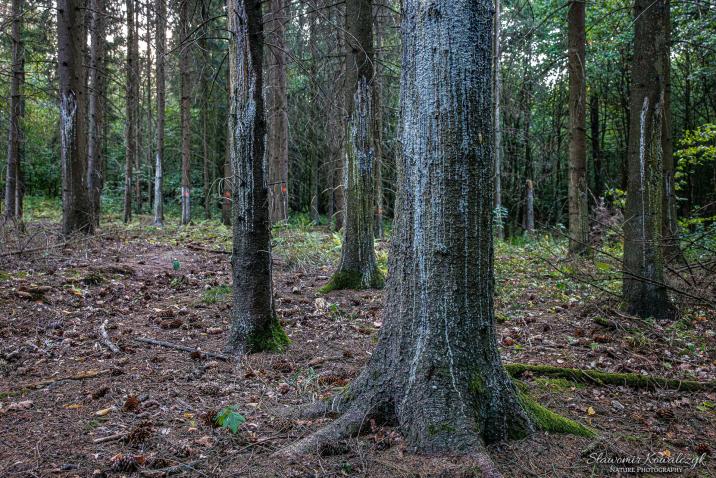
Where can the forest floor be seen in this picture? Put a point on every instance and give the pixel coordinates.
(63, 393)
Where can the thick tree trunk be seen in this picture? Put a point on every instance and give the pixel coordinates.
(436, 370)
(76, 212)
(277, 111)
(497, 99)
(185, 80)
(596, 146)
(644, 290)
(578, 200)
(161, 48)
(13, 186)
(358, 267)
(96, 109)
(255, 326)
(131, 125)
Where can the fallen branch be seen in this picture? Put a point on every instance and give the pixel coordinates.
(50, 381)
(171, 345)
(633, 380)
(609, 324)
(105, 340)
(115, 437)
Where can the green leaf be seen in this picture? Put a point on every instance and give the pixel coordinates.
(603, 266)
(229, 418)
(175, 265)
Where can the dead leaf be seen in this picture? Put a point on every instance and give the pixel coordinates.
(591, 412)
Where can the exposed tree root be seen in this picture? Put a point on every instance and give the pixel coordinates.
(596, 377)
(310, 410)
(44, 383)
(347, 425)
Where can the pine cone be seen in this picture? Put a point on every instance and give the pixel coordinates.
(126, 463)
(140, 433)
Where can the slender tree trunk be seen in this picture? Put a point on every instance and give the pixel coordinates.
(339, 199)
(578, 200)
(138, 203)
(498, 122)
(13, 186)
(185, 80)
(530, 207)
(76, 212)
(644, 290)
(315, 120)
(670, 227)
(378, 123)
(148, 72)
(96, 108)
(131, 125)
(161, 48)
(255, 326)
(205, 80)
(596, 146)
(436, 370)
(358, 267)
(277, 111)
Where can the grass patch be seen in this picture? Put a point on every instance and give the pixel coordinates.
(216, 294)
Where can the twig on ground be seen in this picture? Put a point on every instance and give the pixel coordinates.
(115, 437)
(105, 340)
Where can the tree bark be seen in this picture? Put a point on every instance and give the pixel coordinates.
(378, 123)
(498, 122)
(530, 207)
(96, 109)
(205, 80)
(185, 80)
(13, 183)
(643, 285)
(255, 326)
(161, 49)
(596, 146)
(358, 267)
(436, 370)
(148, 72)
(131, 125)
(277, 111)
(578, 200)
(76, 212)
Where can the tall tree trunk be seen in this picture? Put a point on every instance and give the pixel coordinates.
(137, 115)
(71, 35)
(13, 186)
(358, 267)
(643, 285)
(277, 111)
(436, 370)
(205, 80)
(578, 200)
(670, 226)
(185, 80)
(530, 207)
(131, 125)
(161, 49)
(314, 119)
(339, 199)
(498, 122)
(255, 326)
(596, 145)
(378, 123)
(96, 109)
(148, 79)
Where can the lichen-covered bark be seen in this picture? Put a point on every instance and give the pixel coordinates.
(358, 268)
(497, 92)
(578, 205)
(254, 325)
(161, 47)
(643, 285)
(436, 370)
(76, 211)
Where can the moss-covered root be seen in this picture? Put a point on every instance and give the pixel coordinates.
(343, 279)
(549, 421)
(270, 339)
(596, 377)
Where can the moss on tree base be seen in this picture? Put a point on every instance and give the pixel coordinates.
(596, 377)
(271, 339)
(353, 280)
(549, 421)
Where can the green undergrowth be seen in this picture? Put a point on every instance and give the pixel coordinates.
(271, 339)
(216, 294)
